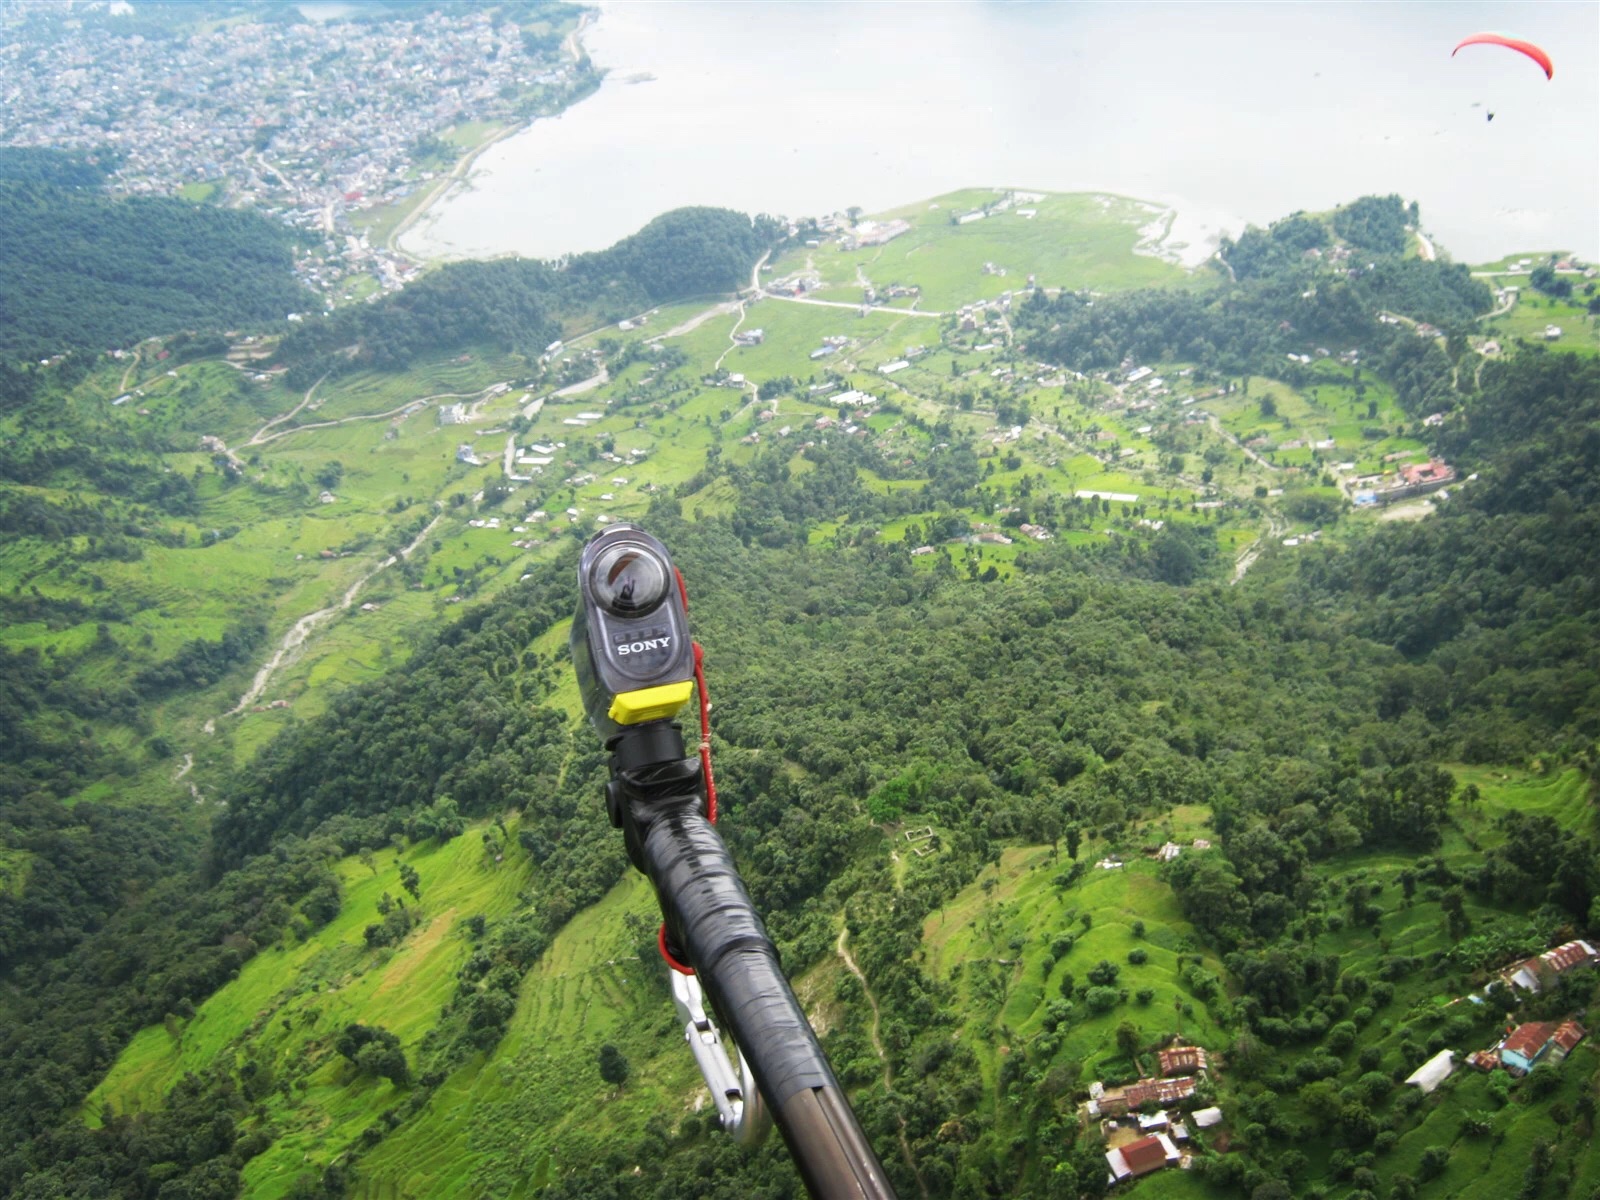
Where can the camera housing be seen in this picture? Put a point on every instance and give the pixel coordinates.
(630, 637)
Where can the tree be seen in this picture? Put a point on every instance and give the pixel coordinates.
(384, 1059)
(614, 1068)
(1356, 1124)
(1545, 279)
(1104, 973)
(1434, 1161)
(1063, 1182)
(1457, 923)
(1128, 1039)
(410, 880)
(374, 1051)
(1102, 999)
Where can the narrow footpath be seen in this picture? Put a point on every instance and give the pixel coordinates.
(1275, 529)
(877, 1044)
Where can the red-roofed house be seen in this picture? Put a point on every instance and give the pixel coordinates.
(1524, 1046)
(1181, 1060)
(1529, 1046)
(1141, 1157)
(1567, 1035)
(1484, 1060)
(1146, 1091)
(1563, 958)
(1433, 471)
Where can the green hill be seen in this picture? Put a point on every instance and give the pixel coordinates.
(932, 724)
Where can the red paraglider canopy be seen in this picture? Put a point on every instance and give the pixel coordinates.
(1510, 43)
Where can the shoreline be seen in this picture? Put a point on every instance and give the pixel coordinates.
(441, 188)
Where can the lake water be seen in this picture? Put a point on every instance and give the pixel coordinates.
(1228, 113)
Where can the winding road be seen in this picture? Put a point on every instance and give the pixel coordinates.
(260, 435)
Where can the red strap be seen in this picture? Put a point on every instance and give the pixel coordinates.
(661, 944)
(705, 732)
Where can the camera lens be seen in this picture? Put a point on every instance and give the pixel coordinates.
(629, 580)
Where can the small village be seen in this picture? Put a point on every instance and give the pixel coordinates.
(1165, 1120)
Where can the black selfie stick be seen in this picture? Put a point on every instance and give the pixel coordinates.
(635, 666)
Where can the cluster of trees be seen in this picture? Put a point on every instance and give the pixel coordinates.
(1378, 224)
(59, 168)
(1280, 299)
(200, 663)
(18, 385)
(682, 253)
(43, 748)
(1280, 246)
(373, 1050)
(80, 270)
(48, 452)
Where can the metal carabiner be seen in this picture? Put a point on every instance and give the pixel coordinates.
(740, 1108)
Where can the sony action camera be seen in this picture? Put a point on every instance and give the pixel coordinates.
(630, 638)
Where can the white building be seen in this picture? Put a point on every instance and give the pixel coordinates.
(1433, 1072)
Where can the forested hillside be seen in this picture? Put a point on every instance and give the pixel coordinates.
(80, 270)
(522, 304)
(1055, 816)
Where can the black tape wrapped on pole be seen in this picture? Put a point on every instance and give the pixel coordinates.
(710, 919)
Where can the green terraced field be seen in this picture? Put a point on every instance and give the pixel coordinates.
(289, 1002)
(504, 1125)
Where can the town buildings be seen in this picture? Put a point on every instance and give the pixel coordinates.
(304, 120)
